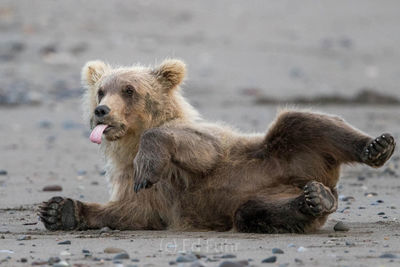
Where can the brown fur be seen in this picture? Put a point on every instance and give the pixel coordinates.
(168, 169)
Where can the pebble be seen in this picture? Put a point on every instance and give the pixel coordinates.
(291, 245)
(111, 250)
(105, 230)
(186, 258)
(52, 188)
(381, 213)
(3, 172)
(340, 226)
(85, 251)
(23, 260)
(277, 251)
(350, 244)
(233, 263)
(388, 256)
(121, 256)
(228, 256)
(66, 242)
(135, 260)
(24, 237)
(65, 253)
(53, 260)
(271, 259)
(302, 249)
(370, 194)
(61, 264)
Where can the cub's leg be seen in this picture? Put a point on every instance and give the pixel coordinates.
(68, 214)
(298, 133)
(162, 149)
(297, 214)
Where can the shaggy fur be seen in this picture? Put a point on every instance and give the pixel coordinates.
(168, 169)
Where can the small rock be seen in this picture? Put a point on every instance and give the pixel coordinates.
(381, 213)
(277, 251)
(233, 263)
(388, 256)
(105, 230)
(66, 242)
(283, 265)
(135, 260)
(24, 237)
(340, 226)
(291, 245)
(39, 262)
(302, 249)
(61, 264)
(52, 188)
(23, 260)
(112, 250)
(53, 260)
(350, 244)
(271, 259)
(121, 256)
(186, 258)
(3, 172)
(228, 256)
(85, 251)
(370, 194)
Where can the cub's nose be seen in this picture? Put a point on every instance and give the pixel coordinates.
(101, 111)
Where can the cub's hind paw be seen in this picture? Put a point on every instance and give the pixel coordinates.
(379, 150)
(58, 214)
(319, 199)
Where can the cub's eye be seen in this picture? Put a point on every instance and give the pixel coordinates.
(100, 94)
(129, 90)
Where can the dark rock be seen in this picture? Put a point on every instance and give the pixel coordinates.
(271, 259)
(66, 242)
(277, 251)
(388, 256)
(121, 256)
(228, 256)
(233, 263)
(350, 244)
(381, 213)
(186, 258)
(52, 188)
(23, 260)
(53, 260)
(3, 172)
(340, 226)
(135, 260)
(85, 251)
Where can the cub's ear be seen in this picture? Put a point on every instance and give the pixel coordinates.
(170, 73)
(92, 72)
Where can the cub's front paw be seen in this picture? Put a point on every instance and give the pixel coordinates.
(319, 199)
(144, 180)
(59, 214)
(379, 150)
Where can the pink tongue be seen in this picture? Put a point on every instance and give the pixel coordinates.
(97, 132)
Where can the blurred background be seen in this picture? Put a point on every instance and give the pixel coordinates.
(245, 58)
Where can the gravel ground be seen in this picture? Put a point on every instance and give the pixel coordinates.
(237, 54)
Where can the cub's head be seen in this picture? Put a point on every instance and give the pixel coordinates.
(119, 101)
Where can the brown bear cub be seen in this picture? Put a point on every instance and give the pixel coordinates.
(168, 169)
